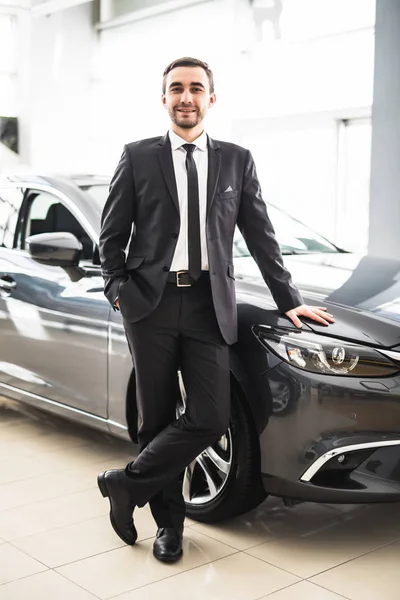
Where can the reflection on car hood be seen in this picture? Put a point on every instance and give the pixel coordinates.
(362, 292)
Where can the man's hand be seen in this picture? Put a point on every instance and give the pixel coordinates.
(316, 313)
(116, 303)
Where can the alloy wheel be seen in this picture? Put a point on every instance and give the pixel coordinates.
(206, 476)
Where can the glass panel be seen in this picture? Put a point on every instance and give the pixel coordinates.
(98, 193)
(37, 217)
(293, 237)
(305, 19)
(41, 205)
(48, 215)
(353, 221)
(297, 171)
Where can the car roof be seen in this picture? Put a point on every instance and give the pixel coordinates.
(32, 177)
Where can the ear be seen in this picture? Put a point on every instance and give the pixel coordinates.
(163, 100)
(213, 99)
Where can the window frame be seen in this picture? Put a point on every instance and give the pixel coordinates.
(31, 194)
(339, 120)
(33, 190)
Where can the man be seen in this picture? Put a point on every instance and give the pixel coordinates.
(179, 198)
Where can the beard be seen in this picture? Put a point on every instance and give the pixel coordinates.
(184, 122)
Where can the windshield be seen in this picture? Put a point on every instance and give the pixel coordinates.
(98, 193)
(293, 236)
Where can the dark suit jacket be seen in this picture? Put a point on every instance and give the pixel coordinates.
(142, 209)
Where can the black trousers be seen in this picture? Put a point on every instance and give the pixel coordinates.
(181, 333)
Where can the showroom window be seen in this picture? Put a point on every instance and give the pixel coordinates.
(311, 95)
(296, 168)
(353, 184)
(120, 11)
(318, 170)
(307, 19)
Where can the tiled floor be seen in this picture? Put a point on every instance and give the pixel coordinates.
(56, 542)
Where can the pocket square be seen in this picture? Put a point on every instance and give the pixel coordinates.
(228, 189)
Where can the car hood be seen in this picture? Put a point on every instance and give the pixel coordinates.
(362, 292)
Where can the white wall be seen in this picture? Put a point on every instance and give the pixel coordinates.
(92, 91)
(62, 49)
(14, 30)
(8, 160)
(126, 95)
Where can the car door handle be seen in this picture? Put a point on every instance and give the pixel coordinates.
(7, 284)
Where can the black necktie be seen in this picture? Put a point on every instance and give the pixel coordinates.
(193, 214)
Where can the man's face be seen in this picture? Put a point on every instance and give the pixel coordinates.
(187, 96)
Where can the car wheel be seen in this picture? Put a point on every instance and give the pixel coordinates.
(224, 480)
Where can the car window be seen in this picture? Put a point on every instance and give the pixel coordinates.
(40, 207)
(10, 203)
(46, 214)
(293, 237)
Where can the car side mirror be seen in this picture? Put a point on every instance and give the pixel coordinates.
(58, 249)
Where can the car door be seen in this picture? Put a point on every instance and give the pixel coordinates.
(11, 199)
(55, 347)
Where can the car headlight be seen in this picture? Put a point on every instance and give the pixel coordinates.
(323, 354)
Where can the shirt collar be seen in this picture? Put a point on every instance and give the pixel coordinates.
(177, 141)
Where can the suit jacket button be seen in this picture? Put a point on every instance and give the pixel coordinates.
(165, 269)
(174, 235)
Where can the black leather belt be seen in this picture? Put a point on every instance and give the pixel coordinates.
(182, 278)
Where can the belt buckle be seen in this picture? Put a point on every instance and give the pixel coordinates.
(178, 282)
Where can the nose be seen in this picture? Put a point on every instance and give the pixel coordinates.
(186, 97)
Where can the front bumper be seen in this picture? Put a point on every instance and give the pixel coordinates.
(371, 481)
(335, 440)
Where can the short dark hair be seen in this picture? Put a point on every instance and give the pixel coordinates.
(188, 61)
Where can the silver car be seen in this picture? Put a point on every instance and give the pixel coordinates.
(307, 419)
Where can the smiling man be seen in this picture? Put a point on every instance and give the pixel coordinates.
(180, 197)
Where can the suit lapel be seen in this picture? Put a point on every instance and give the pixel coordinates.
(214, 166)
(167, 167)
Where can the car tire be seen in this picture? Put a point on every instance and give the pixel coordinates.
(242, 489)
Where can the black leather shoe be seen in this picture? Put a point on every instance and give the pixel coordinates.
(114, 485)
(168, 544)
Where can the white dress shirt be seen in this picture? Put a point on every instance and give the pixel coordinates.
(180, 261)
